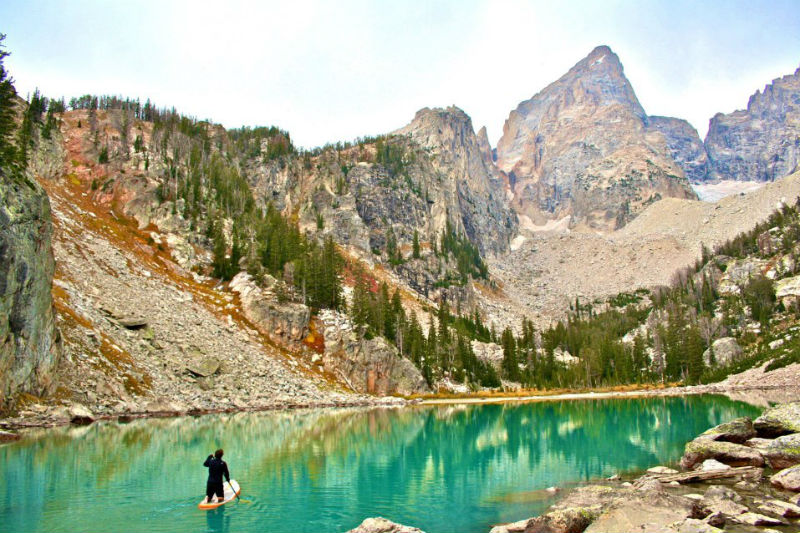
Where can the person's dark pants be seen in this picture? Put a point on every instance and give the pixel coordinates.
(215, 488)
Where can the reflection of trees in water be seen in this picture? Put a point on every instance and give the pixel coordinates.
(421, 456)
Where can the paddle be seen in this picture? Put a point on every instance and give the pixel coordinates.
(237, 494)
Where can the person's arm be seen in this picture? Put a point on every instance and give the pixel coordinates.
(208, 460)
(225, 471)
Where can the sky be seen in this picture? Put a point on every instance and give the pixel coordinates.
(336, 70)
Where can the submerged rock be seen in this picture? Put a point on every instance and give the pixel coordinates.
(662, 470)
(6, 436)
(720, 492)
(693, 525)
(784, 509)
(382, 525)
(755, 519)
(779, 420)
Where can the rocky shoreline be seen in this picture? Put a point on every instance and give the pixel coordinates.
(742, 476)
(45, 416)
(761, 396)
(78, 414)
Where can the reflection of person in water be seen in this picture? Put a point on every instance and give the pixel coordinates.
(216, 469)
(217, 522)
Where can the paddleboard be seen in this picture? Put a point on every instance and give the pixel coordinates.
(229, 495)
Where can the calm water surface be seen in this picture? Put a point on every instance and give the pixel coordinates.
(443, 469)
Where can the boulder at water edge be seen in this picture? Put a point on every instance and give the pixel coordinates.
(739, 430)
(779, 420)
(729, 453)
(382, 525)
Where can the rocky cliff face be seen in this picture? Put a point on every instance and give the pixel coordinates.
(370, 366)
(28, 336)
(432, 171)
(581, 147)
(467, 188)
(762, 142)
(684, 145)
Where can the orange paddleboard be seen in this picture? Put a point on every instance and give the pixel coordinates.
(229, 495)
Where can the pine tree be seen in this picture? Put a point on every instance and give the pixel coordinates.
(694, 356)
(220, 261)
(510, 364)
(415, 245)
(8, 152)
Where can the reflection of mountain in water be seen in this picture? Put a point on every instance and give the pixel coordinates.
(439, 468)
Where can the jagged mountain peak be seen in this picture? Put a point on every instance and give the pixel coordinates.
(443, 130)
(432, 125)
(450, 113)
(598, 78)
(581, 148)
(601, 58)
(485, 145)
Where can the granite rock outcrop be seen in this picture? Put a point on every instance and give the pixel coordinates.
(29, 339)
(761, 142)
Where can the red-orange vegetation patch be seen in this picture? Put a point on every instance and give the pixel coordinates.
(315, 339)
(352, 274)
(67, 313)
(118, 360)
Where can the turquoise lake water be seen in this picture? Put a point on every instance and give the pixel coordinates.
(443, 469)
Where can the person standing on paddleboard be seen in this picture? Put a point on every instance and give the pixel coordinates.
(216, 469)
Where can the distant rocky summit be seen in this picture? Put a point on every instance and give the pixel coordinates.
(28, 335)
(684, 144)
(467, 187)
(762, 142)
(581, 147)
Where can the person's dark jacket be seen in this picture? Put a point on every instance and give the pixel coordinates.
(216, 469)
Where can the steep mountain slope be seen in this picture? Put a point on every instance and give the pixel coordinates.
(762, 142)
(581, 147)
(141, 333)
(137, 231)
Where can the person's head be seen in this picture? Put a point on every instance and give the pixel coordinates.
(218, 454)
